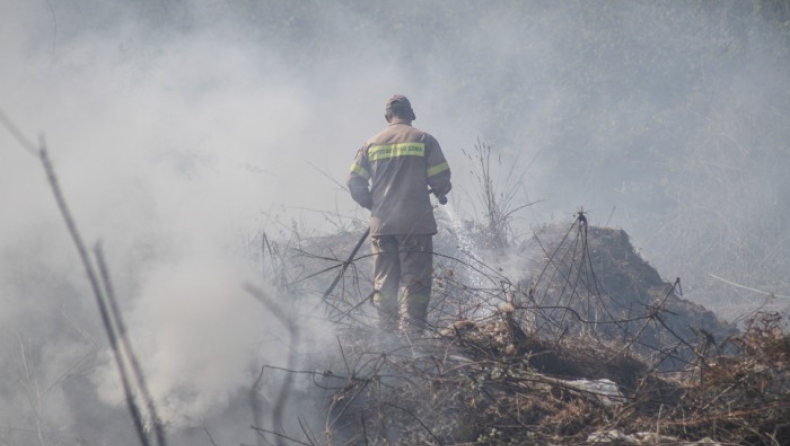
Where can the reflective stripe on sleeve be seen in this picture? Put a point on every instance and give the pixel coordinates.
(385, 151)
(359, 170)
(439, 168)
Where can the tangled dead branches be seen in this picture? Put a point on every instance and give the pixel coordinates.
(591, 347)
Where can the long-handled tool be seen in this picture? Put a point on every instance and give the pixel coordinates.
(346, 263)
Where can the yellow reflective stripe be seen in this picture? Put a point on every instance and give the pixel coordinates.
(359, 170)
(439, 168)
(385, 151)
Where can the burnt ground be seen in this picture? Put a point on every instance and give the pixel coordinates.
(575, 339)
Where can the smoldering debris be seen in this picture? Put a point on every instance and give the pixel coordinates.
(591, 346)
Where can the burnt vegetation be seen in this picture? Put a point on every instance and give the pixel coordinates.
(593, 348)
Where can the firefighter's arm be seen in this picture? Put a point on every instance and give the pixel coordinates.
(438, 172)
(358, 180)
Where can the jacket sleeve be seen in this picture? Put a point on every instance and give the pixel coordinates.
(438, 172)
(358, 180)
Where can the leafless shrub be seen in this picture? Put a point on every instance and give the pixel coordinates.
(500, 199)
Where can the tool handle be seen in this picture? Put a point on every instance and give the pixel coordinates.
(345, 264)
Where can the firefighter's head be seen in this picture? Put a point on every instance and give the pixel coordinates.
(398, 107)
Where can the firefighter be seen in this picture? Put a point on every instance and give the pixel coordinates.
(392, 175)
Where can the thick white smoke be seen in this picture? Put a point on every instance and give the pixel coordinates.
(173, 154)
(197, 333)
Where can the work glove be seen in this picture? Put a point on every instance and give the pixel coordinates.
(442, 198)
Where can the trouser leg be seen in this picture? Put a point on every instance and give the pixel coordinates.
(416, 276)
(386, 280)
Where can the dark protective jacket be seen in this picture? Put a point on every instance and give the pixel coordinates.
(392, 175)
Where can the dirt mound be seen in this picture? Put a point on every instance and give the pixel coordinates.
(590, 282)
